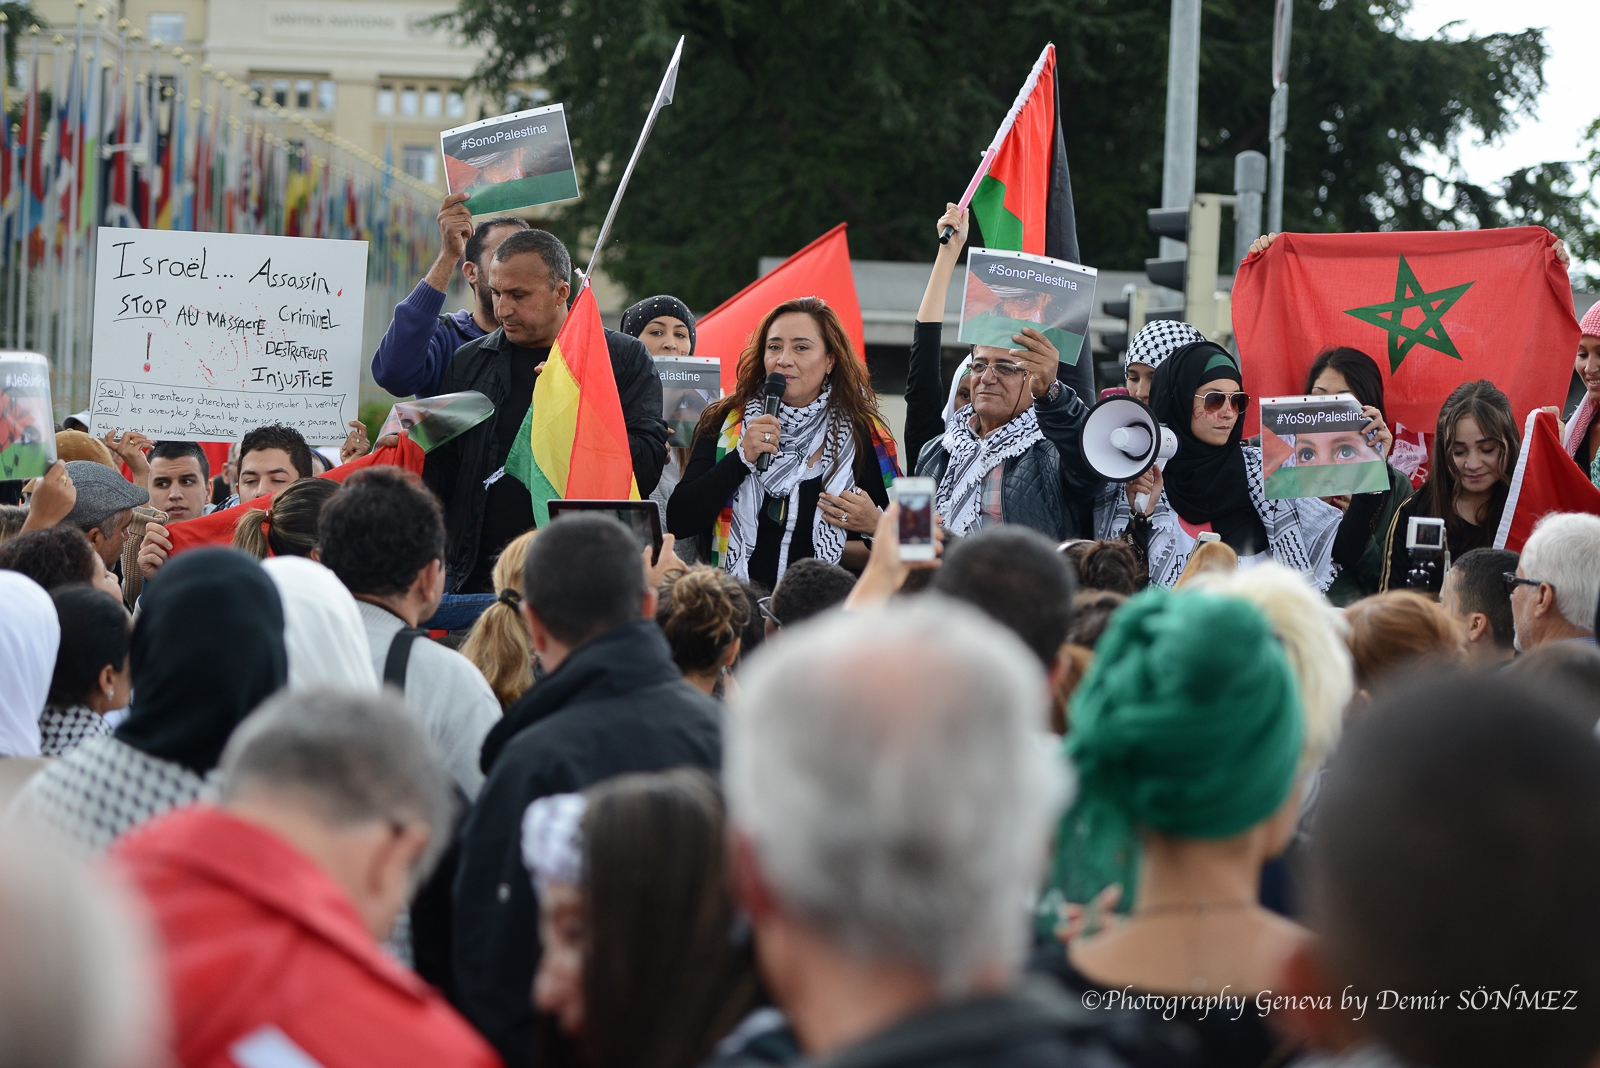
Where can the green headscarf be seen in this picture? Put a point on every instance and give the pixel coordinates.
(1188, 723)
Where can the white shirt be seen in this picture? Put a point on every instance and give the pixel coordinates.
(445, 690)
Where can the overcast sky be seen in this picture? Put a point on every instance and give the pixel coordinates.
(1554, 131)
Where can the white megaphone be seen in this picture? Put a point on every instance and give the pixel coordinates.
(1122, 440)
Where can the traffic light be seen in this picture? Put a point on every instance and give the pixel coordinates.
(1199, 226)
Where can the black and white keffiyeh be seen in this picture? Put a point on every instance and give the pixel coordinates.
(1300, 531)
(960, 496)
(61, 730)
(100, 791)
(813, 430)
(1157, 340)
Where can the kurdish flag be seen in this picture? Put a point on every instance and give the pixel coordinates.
(1021, 194)
(573, 442)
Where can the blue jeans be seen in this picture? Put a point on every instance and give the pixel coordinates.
(458, 611)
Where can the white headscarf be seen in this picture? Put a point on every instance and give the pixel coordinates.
(322, 628)
(552, 841)
(30, 634)
(950, 404)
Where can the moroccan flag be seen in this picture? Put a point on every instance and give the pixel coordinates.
(1024, 201)
(1546, 480)
(821, 269)
(573, 444)
(1433, 310)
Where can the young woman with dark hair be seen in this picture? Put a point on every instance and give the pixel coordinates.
(1469, 474)
(645, 963)
(832, 456)
(91, 676)
(1358, 550)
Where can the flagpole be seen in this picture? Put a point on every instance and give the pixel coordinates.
(999, 137)
(669, 83)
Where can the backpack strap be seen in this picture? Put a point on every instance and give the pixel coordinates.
(399, 658)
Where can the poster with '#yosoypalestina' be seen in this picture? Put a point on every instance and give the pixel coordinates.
(1319, 447)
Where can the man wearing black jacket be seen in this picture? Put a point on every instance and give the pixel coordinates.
(613, 702)
(528, 280)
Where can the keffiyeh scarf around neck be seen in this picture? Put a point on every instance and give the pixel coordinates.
(960, 496)
(813, 430)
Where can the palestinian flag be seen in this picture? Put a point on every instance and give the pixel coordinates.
(573, 443)
(1024, 201)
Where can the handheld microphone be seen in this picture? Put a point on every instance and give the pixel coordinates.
(776, 384)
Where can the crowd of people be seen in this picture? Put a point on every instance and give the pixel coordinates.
(307, 763)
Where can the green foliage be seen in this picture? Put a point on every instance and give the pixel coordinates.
(372, 414)
(791, 117)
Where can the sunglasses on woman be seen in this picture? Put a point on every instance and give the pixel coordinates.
(1215, 399)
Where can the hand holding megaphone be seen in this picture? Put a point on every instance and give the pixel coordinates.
(1122, 441)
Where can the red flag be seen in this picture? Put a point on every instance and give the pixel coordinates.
(821, 269)
(1433, 309)
(217, 528)
(1546, 480)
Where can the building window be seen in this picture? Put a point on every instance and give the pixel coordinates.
(302, 93)
(167, 27)
(280, 92)
(420, 161)
(259, 88)
(408, 100)
(326, 94)
(455, 107)
(385, 100)
(432, 102)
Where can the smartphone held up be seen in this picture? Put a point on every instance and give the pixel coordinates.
(915, 497)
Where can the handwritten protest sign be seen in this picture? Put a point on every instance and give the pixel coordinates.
(1007, 291)
(200, 337)
(1318, 447)
(511, 162)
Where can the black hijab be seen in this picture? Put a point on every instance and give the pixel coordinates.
(207, 649)
(1206, 483)
(638, 316)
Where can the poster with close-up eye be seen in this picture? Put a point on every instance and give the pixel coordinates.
(1318, 447)
(27, 430)
(511, 162)
(1009, 291)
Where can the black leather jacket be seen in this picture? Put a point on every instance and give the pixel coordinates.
(1049, 487)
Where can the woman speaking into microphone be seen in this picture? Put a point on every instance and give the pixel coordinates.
(1215, 482)
(832, 457)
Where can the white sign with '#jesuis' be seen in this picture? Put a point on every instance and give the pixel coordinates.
(201, 337)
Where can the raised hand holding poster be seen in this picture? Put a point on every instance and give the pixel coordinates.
(1010, 291)
(1319, 447)
(511, 162)
(200, 336)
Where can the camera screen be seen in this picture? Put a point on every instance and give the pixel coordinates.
(1428, 535)
(916, 518)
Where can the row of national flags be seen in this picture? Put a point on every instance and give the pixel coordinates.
(107, 128)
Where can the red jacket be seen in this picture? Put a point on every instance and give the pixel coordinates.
(257, 936)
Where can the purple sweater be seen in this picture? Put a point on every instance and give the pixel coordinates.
(417, 347)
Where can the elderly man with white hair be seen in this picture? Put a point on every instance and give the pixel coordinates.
(889, 819)
(1557, 581)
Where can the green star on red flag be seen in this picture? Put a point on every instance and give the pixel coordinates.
(1430, 333)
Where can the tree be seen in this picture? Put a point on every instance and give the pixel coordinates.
(792, 116)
